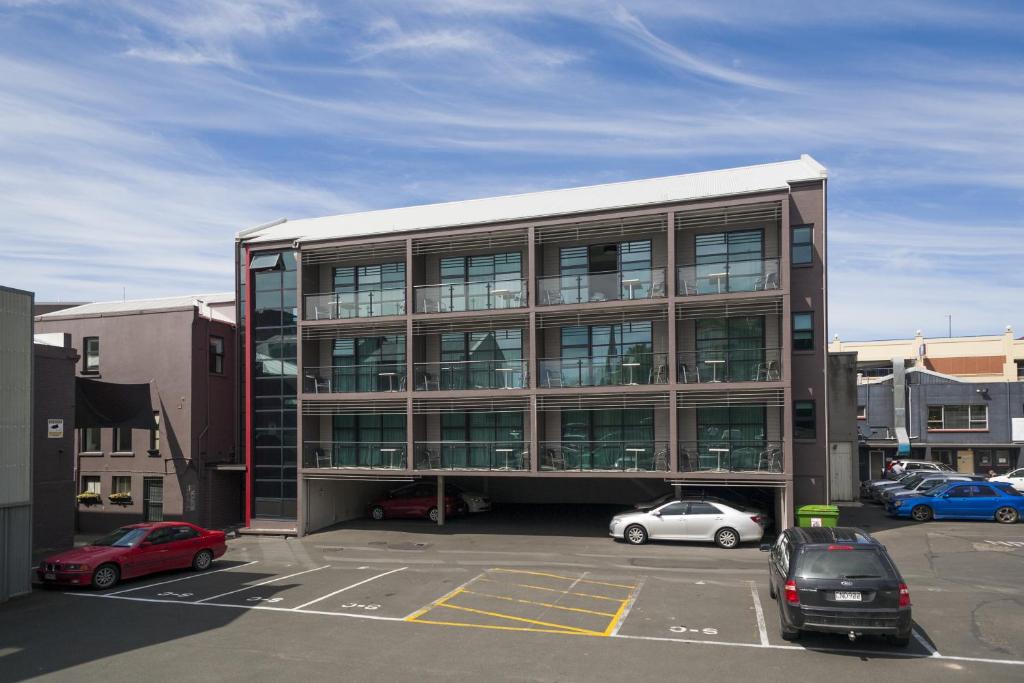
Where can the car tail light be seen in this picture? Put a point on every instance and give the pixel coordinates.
(757, 519)
(904, 595)
(840, 547)
(791, 595)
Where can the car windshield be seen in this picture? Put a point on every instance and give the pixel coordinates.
(122, 538)
(842, 564)
(912, 481)
(929, 484)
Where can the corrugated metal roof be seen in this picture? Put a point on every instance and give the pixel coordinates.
(733, 181)
(140, 306)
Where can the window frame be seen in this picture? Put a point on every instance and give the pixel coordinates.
(154, 435)
(862, 411)
(117, 444)
(806, 335)
(87, 368)
(216, 358)
(82, 439)
(799, 433)
(939, 424)
(88, 480)
(120, 478)
(794, 244)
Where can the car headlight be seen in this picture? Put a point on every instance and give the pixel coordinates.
(897, 502)
(76, 567)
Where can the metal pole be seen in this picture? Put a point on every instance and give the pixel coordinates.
(440, 500)
(949, 321)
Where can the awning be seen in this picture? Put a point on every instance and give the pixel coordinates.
(106, 404)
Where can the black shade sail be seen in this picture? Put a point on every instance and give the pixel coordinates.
(105, 404)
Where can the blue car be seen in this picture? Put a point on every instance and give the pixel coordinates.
(960, 500)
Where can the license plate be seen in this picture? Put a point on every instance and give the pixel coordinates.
(849, 596)
(50, 576)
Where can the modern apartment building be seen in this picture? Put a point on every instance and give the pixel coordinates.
(587, 344)
(155, 409)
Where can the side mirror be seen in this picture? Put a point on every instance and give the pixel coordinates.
(656, 513)
(765, 547)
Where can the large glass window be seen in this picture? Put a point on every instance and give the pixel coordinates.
(375, 290)
(729, 261)
(730, 349)
(730, 438)
(974, 417)
(805, 424)
(471, 360)
(490, 280)
(471, 439)
(274, 390)
(368, 363)
(609, 271)
(595, 355)
(599, 439)
(803, 331)
(802, 245)
(367, 440)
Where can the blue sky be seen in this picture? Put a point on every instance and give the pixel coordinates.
(137, 137)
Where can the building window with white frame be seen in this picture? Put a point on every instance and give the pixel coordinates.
(958, 418)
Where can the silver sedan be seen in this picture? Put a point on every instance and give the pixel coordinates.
(689, 520)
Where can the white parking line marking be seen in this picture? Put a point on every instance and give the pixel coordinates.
(924, 643)
(263, 583)
(354, 585)
(761, 629)
(183, 578)
(253, 607)
(629, 606)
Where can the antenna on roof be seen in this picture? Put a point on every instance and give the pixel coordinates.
(124, 294)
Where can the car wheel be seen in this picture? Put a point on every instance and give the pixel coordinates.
(202, 561)
(900, 641)
(377, 513)
(106, 576)
(921, 513)
(788, 634)
(1007, 515)
(635, 535)
(432, 514)
(727, 538)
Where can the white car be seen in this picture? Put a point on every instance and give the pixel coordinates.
(1014, 478)
(475, 502)
(689, 520)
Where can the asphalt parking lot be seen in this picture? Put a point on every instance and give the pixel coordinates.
(403, 599)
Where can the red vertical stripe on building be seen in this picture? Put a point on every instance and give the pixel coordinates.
(248, 391)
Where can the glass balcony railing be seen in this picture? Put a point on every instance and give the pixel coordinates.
(470, 296)
(375, 455)
(602, 371)
(459, 375)
(753, 275)
(472, 455)
(342, 305)
(342, 379)
(729, 365)
(603, 456)
(593, 287)
(730, 455)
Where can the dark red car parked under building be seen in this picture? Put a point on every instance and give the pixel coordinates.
(416, 500)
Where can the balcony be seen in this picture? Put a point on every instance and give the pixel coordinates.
(464, 375)
(499, 456)
(603, 371)
(604, 456)
(342, 379)
(470, 296)
(754, 275)
(345, 305)
(730, 456)
(595, 287)
(733, 365)
(382, 455)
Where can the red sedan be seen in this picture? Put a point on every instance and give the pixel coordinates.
(133, 551)
(416, 500)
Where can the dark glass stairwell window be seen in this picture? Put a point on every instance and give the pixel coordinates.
(274, 391)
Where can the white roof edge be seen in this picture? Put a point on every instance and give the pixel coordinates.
(534, 205)
(135, 306)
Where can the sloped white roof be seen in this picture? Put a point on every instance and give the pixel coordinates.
(733, 181)
(102, 308)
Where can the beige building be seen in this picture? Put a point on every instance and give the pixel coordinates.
(992, 358)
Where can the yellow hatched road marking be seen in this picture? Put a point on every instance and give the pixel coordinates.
(498, 615)
(567, 578)
(559, 591)
(541, 604)
(615, 619)
(505, 628)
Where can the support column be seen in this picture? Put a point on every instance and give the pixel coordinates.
(410, 377)
(440, 500)
(673, 351)
(532, 364)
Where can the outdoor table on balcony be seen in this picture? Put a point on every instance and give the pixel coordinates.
(504, 295)
(506, 451)
(631, 283)
(718, 452)
(631, 366)
(636, 458)
(391, 379)
(714, 368)
(349, 307)
(718, 277)
(507, 373)
(390, 456)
